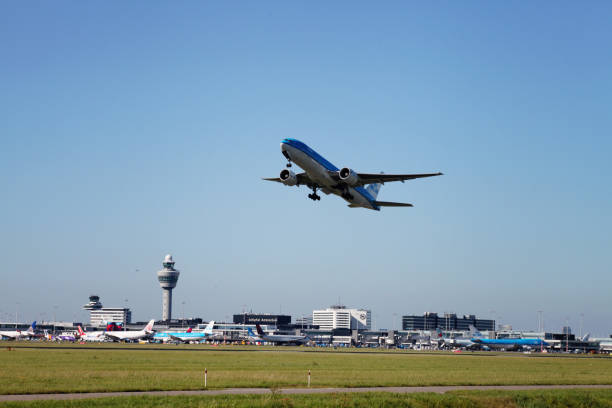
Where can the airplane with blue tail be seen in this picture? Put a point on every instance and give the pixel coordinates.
(358, 189)
(510, 344)
(505, 344)
(186, 336)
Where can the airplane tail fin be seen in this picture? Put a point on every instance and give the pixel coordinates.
(251, 334)
(586, 337)
(373, 189)
(474, 331)
(80, 329)
(32, 327)
(189, 330)
(149, 326)
(209, 327)
(259, 330)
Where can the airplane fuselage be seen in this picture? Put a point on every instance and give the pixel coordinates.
(15, 335)
(180, 336)
(510, 344)
(318, 169)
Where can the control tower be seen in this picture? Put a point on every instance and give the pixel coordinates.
(168, 277)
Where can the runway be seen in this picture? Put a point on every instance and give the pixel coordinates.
(289, 391)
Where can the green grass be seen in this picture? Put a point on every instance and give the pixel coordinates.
(465, 399)
(139, 367)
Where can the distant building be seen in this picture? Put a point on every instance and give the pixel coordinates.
(304, 321)
(100, 316)
(449, 321)
(106, 315)
(339, 317)
(94, 303)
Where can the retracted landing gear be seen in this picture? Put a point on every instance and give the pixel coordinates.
(314, 195)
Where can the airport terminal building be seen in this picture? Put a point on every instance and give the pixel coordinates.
(339, 317)
(100, 316)
(277, 320)
(448, 321)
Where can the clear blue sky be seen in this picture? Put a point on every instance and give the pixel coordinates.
(132, 130)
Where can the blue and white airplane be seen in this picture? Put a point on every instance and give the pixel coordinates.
(187, 336)
(511, 344)
(358, 189)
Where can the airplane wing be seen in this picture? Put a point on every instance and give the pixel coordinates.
(391, 204)
(302, 178)
(112, 336)
(370, 178)
(173, 337)
(384, 178)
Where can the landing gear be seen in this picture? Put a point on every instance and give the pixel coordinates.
(287, 157)
(314, 195)
(346, 195)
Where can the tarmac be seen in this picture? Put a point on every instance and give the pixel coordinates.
(289, 391)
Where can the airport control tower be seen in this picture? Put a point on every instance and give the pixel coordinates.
(167, 280)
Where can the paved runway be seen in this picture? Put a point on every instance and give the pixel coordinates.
(260, 391)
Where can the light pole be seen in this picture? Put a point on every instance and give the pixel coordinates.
(183, 307)
(54, 317)
(566, 334)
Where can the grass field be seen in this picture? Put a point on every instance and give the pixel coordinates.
(464, 399)
(107, 368)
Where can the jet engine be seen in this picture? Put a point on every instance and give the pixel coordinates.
(288, 178)
(348, 176)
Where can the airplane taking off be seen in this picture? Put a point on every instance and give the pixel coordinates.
(276, 338)
(18, 334)
(131, 335)
(358, 189)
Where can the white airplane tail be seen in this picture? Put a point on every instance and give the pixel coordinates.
(474, 333)
(208, 329)
(31, 328)
(149, 327)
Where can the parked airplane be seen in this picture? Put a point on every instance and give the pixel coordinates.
(505, 344)
(276, 338)
(511, 344)
(458, 342)
(18, 334)
(131, 335)
(66, 336)
(358, 189)
(187, 336)
(91, 336)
